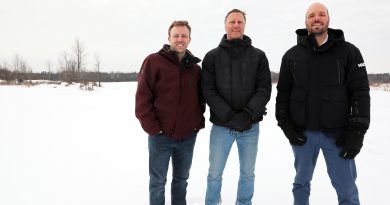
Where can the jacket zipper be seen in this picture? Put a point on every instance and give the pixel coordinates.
(339, 71)
(179, 102)
(293, 72)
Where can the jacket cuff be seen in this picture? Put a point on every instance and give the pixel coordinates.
(359, 123)
(230, 115)
(152, 128)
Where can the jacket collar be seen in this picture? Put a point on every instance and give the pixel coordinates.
(188, 59)
(246, 41)
(335, 36)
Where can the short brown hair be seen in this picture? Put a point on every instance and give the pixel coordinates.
(179, 23)
(236, 11)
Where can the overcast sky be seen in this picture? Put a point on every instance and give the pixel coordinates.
(124, 32)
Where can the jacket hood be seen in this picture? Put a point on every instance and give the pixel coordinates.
(188, 59)
(246, 41)
(335, 36)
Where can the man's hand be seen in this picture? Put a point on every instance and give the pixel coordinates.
(294, 136)
(351, 142)
(241, 121)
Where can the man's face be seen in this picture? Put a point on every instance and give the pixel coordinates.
(317, 19)
(179, 38)
(235, 26)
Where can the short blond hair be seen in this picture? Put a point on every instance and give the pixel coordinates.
(179, 23)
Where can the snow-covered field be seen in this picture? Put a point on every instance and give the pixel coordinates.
(65, 146)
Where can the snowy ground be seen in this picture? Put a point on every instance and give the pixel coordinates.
(64, 146)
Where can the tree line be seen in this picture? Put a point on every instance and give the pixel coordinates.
(71, 67)
(12, 76)
(17, 77)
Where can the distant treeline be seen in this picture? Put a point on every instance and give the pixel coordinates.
(11, 76)
(91, 76)
(379, 78)
(71, 67)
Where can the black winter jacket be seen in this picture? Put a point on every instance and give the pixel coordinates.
(235, 78)
(323, 88)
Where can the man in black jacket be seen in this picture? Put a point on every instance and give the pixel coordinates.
(236, 84)
(323, 102)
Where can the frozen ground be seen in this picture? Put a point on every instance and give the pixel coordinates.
(64, 146)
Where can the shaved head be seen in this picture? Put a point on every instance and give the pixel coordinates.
(314, 7)
(317, 19)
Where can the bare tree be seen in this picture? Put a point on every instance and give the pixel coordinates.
(67, 66)
(49, 69)
(63, 61)
(28, 74)
(17, 67)
(5, 72)
(97, 66)
(21, 69)
(79, 56)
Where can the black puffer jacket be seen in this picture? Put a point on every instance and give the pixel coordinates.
(323, 88)
(236, 78)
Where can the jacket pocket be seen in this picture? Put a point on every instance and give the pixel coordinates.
(334, 107)
(298, 106)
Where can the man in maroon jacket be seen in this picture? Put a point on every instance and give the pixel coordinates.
(170, 109)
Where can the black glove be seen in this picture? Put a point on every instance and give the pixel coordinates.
(240, 121)
(351, 142)
(293, 134)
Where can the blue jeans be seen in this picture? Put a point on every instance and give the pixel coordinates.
(161, 149)
(342, 172)
(221, 140)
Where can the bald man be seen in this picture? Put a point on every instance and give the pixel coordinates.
(323, 103)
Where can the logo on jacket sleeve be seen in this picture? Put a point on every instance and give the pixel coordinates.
(361, 65)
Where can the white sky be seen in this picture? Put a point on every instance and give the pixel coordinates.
(124, 32)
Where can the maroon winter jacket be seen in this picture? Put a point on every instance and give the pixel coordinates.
(168, 96)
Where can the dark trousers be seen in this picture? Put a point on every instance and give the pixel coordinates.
(161, 149)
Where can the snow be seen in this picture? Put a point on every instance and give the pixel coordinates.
(60, 145)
